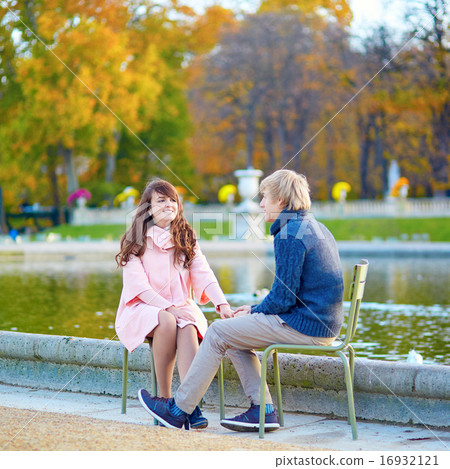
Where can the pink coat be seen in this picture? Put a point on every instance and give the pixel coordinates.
(154, 277)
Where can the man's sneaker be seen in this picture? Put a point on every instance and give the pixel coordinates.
(159, 408)
(249, 421)
(197, 420)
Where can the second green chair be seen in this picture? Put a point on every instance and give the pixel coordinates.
(356, 292)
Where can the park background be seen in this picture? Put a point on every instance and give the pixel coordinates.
(99, 97)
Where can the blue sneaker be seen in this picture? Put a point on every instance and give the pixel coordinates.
(197, 420)
(159, 408)
(249, 421)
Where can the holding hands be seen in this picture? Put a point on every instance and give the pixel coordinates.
(225, 311)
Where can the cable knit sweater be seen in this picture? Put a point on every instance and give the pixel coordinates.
(307, 291)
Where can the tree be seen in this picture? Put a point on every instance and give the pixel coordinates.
(429, 19)
(373, 110)
(84, 76)
(337, 9)
(263, 88)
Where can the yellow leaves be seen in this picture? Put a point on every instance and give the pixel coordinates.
(49, 24)
(340, 9)
(92, 40)
(111, 12)
(97, 45)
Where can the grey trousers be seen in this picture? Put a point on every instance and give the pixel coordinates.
(237, 337)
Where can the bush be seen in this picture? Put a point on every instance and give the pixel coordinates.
(103, 193)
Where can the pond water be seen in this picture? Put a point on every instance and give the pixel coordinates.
(406, 304)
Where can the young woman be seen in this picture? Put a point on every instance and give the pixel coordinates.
(162, 263)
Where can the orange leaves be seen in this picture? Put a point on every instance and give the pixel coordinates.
(207, 30)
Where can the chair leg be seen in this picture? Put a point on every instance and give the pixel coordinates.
(262, 393)
(154, 380)
(124, 380)
(351, 403)
(276, 372)
(221, 391)
(351, 354)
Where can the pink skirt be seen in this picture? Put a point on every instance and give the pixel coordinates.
(137, 321)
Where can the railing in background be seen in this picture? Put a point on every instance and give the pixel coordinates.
(405, 208)
(99, 216)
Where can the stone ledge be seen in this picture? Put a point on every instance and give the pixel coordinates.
(384, 391)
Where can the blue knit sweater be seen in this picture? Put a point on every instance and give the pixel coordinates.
(308, 288)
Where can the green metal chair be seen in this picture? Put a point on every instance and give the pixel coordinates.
(125, 378)
(154, 380)
(356, 293)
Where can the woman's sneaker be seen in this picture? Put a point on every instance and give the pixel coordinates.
(197, 420)
(249, 421)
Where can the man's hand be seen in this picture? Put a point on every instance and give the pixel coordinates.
(225, 311)
(242, 311)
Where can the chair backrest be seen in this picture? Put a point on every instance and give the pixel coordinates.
(356, 293)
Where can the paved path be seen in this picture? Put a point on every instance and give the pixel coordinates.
(34, 419)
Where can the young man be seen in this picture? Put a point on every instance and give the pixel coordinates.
(304, 306)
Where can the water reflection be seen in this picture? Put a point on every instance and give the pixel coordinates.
(80, 299)
(416, 281)
(390, 280)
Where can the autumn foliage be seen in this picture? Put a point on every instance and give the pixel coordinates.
(107, 94)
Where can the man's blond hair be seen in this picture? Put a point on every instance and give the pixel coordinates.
(289, 187)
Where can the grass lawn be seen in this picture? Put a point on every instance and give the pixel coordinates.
(434, 229)
(437, 229)
(93, 231)
(113, 232)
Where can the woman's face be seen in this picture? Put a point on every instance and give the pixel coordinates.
(164, 209)
(272, 207)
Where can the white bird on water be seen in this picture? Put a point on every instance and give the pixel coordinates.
(414, 357)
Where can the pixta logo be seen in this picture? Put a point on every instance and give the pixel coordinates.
(137, 219)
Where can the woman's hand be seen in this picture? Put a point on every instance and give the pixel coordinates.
(225, 311)
(242, 311)
(180, 313)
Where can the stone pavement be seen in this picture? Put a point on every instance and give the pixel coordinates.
(304, 431)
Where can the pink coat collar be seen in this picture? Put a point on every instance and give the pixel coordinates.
(161, 237)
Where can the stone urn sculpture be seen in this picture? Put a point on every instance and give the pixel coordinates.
(249, 218)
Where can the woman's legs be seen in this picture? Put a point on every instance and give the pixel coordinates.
(187, 346)
(164, 351)
(167, 339)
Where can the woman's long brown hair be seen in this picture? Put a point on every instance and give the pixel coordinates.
(134, 240)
